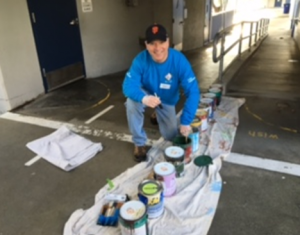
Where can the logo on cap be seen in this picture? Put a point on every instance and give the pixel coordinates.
(154, 29)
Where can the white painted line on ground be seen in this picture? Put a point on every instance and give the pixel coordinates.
(99, 114)
(265, 164)
(33, 160)
(80, 129)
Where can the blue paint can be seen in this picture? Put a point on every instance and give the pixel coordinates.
(195, 137)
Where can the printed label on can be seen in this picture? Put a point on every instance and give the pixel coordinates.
(165, 172)
(195, 140)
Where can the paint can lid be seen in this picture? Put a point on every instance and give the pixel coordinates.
(164, 168)
(215, 90)
(150, 187)
(132, 210)
(203, 160)
(209, 95)
(174, 152)
(206, 101)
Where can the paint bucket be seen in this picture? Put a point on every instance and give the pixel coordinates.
(202, 113)
(208, 102)
(150, 192)
(217, 85)
(166, 174)
(218, 93)
(175, 155)
(133, 218)
(213, 97)
(195, 137)
(186, 144)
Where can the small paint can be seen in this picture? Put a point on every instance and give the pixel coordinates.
(208, 102)
(133, 218)
(217, 85)
(175, 155)
(150, 192)
(195, 137)
(166, 174)
(202, 113)
(213, 97)
(218, 93)
(185, 143)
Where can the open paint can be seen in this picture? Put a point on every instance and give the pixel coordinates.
(175, 155)
(202, 113)
(133, 218)
(150, 192)
(213, 97)
(208, 103)
(166, 174)
(186, 144)
(218, 93)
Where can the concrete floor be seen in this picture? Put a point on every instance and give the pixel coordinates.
(40, 198)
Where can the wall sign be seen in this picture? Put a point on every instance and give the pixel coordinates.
(87, 5)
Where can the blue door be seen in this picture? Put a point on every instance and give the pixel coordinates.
(278, 3)
(57, 38)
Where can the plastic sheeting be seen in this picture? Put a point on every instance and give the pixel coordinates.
(191, 210)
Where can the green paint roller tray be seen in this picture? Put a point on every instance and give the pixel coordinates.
(203, 160)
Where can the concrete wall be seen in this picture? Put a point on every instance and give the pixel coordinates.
(110, 34)
(297, 29)
(21, 79)
(163, 14)
(193, 30)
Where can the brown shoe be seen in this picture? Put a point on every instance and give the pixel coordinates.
(140, 153)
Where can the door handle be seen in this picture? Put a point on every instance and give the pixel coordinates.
(74, 22)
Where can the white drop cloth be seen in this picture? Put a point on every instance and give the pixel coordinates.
(64, 148)
(191, 210)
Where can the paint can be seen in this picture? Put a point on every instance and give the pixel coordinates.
(208, 102)
(150, 192)
(213, 97)
(218, 93)
(166, 174)
(175, 155)
(195, 137)
(185, 143)
(202, 113)
(217, 85)
(133, 218)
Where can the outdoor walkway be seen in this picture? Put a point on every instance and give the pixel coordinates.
(256, 199)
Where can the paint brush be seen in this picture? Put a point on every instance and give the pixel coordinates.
(160, 106)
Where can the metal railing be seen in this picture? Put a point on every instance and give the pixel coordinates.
(293, 25)
(260, 32)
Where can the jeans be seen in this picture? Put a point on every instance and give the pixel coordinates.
(166, 118)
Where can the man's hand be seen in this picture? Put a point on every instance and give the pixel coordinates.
(151, 101)
(185, 130)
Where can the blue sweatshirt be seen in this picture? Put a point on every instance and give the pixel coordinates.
(164, 79)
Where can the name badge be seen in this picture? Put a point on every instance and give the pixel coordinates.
(164, 86)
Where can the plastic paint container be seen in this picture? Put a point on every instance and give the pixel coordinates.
(166, 174)
(202, 113)
(175, 155)
(133, 218)
(186, 144)
(207, 102)
(150, 192)
(213, 97)
(195, 137)
(218, 93)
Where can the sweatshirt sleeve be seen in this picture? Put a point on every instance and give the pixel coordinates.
(132, 85)
(191, 90)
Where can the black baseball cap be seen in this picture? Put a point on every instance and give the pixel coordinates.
(156, 32)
